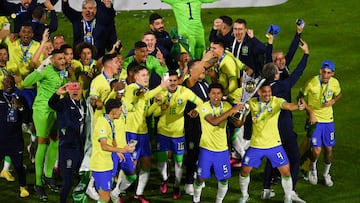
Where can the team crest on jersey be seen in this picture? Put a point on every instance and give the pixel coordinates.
(180, 101)
(204, 109)
(269, 109)
(329, 93)
(102, 131)
(245, 50)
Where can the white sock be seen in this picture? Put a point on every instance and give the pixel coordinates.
(125, 184)
(197, 191)
(143, 179)
(91, 182)
(313, 166)
(286, 183)
(162, 166)
(6, 165)
(178, 173)
(222, 189)
(120, 179)
(326, 169)
(237, 146)
(244, 185)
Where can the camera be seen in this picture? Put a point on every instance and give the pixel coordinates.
(73, 86)
(300, 22)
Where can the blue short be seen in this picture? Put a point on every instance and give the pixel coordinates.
(254, 156)
(126, 165)
(176, 145)
(103, 180)
(143, 146)
(219, 162)
(324, 134)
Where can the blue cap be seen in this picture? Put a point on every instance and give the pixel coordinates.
(328, 64)
(273, 29)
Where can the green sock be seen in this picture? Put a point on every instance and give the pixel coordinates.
(51, 158)
(39, 163)
(7, 159)
(7, 163)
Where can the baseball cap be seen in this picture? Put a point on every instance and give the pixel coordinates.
(273, 29)
(328, 64)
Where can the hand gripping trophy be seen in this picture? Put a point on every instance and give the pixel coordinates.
(250, 86)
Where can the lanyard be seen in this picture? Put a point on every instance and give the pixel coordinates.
(203, 90)
(26, 51)
(82, 113)
(80, 108)
(12, 95)
(323, 93)
(107, 78)
(4, 71)
(217, 65)
(89, 27)
(213, 108)
(233, 47)
(111, 125)
(261, 109)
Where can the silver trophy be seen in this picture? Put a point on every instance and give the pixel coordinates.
(250, 86)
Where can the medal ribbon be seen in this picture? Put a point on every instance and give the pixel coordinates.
(323, 93)
(111, 125)
(26, 51)
(261, 109)
(213, 108)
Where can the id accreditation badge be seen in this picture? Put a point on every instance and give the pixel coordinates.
(12, 115)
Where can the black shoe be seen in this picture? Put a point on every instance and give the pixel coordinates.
(51, 184)
(41, 193)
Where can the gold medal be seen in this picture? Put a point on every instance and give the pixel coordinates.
(13, 15)
(88, 34)
(254, 119)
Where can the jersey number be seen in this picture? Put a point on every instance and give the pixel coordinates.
(190, 12)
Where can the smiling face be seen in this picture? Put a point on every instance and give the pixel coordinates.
(215, 96)
(26, 34)
(141, 54)
(239, 30)
(157, 25)
(325, 75)
(173, 79)
(4, 57)
(9, 83)
(89, 10)
(217, 49)
(86, 56)
(265, 93)
(150, 41)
